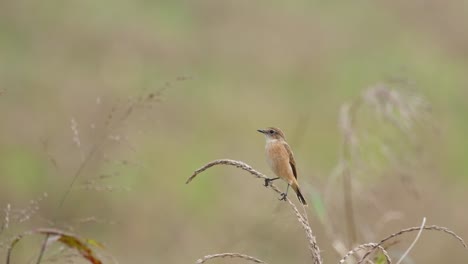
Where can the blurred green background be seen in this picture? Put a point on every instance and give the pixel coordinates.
(200, 77)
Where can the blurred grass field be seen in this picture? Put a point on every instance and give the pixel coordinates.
(209, 74)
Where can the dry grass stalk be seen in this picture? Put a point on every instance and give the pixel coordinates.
(76, 136)
(411, 229)
(414, 242)
(348, 148)
(6, 221)
(398, 107)
(229, 255)
(302, 218)
(111, 122)
(67, 239)
(366, 246)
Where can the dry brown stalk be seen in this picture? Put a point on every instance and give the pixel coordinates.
(313, 246)
(421, 229)
(364, 246)
(109, 125)
(229, 255)
(411, 229)
(347, 120)
(400, 108)
(6, 221)
(67, 239)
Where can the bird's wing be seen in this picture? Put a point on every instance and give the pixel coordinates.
(292, 162)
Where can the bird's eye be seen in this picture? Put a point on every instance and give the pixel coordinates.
(271, 131)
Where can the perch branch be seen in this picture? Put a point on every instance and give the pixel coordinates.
(313, 246)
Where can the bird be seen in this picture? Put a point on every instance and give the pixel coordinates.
(280, 158)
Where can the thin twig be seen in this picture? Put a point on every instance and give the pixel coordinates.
(229, 255)
(414, 241)
(313, 246)
(431, 227)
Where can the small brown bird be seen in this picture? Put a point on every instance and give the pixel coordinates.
(281, 160)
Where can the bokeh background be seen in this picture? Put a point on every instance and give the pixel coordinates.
(144, 92)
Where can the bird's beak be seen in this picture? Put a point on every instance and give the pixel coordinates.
(261, 131)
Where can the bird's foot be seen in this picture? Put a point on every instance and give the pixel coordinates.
(269, 180)
(283, 197)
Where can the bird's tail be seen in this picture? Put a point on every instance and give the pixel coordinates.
(301, 198)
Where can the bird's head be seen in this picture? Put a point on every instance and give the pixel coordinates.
(272, 133)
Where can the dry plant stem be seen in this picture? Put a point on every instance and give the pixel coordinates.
(313, 246)
(348, 201)
(78, 173)
(229, 255)
(366, 246)
(6, 220)
(348, 117)
(70, 240)
(414, 242)
(417, 228)
(10, 248)
(43, 247)
(67, 192)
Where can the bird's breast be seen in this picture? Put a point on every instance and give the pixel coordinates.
(278, 159)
